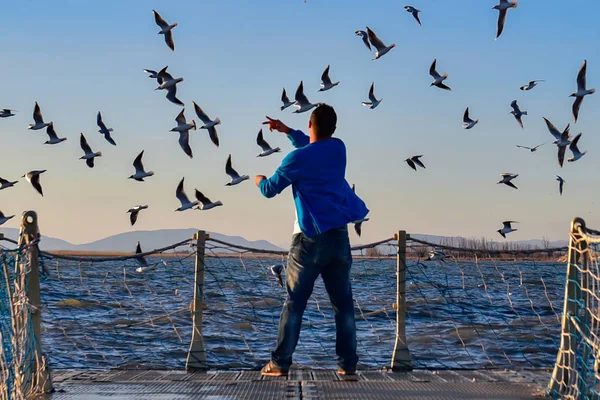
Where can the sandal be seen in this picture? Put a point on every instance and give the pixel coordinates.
(271, 369)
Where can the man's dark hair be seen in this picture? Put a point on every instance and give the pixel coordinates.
(323, 120)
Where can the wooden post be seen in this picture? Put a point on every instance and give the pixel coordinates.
(401, 357)
(196, 358)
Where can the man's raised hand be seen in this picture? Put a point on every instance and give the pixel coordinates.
(275, 124)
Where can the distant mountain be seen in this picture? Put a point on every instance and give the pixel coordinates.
(47, 243)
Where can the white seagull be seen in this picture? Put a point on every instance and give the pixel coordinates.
(517, 112)
(382, 49)
(302, 102)
(140, 259)
(266, 148)
(285, 100)
(365, 38)
(205, 203)
(167, 82)
(183, 128)
(576, 153)
(581, 90)
(507, 178)
(468, 123)
(37, 118)
(104, 130)
(531, 149)
(140, 174)
(374, 102)
(133, 213)
(561, 182)
(6, 112)
(165, 29)
(235, 177)
(438, 79)
(186, 204)
(5, 184)
(531, 84)
(436, 255)
(414, 161)
(502, 9)
(54, 139)
(562, 140)
(415, 13)
(33, 177)
(506, 228)
(358, 224)
(209, 124)
(326, 83)
(89, 154)
(4, 219)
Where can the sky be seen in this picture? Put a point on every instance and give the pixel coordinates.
(77, 58)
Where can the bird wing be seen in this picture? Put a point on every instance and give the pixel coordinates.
(325, 77)
(90, 162)
(184, 142)
(418, 162)
(180, 193)
(159, 20)
(539, 145)
(300, 97)
(100, 123)
(164, 75)
(51, 132)
(133, 217)
(109, 138)
(202, 198)
(411, 163)
(172, 96)
(573, 145)
(180, 119)
(561, 155)
(137, 163)
(260, 140)
(37, 114)
(515, 107)
(524, 147)
(555, 132)
(229, 169)
(576, 107)
(284, 98)
(501, 20)
(358, 228)
(84, 144)
(214, 137)
(35, 182)
(509, 183)
(415, 14)
(581, 84)
(153, 74)
(443, 86)
(169, 40)
(201, 114)
(375, 41)
(432, 70)
(466, 118)
(3, 181)
(365, 38)
(353, 188)
(372, 93)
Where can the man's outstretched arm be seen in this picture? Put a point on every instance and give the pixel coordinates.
(298, 138)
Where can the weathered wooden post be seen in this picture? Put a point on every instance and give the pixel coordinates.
(196, 358)
(401, 357)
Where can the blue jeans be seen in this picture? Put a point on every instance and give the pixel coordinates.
(327, 254)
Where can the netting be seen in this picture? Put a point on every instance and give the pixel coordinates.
(576, 372)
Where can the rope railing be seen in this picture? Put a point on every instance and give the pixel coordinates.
(490, 251)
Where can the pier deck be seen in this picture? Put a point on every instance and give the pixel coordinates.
(300, 384)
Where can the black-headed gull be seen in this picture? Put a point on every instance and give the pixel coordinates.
(104, 130)
(373, 100)
(302, 102)
(235, 177)
(382, 49)
(167, 82)
(209, 124)
(438, 79)
(506, 228)
(165, 29)
(517, 112)
(468, 123)
(415, 13)
(7, 112)
(414, 161)
(267, 150)
(140, 173)
(502, 9)
(133, 213)
(285, 100)
(38, 119)
(183, 127)
(531, 149)
(205, 203)
(5, 218)
(326, 83)
(186, 204)
(507, 178)
(562, 140)
(436, 255)
(581, 90)
(53, 137)
(575, 150)
(88, 155)
(33, 177)
(5, 184)
(365, 38)
(561, 182)
(531, 84)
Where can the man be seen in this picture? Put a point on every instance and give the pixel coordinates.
(325, 204)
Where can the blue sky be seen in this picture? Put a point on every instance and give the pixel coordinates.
(77, 58)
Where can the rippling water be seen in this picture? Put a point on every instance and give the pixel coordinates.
(460, 314)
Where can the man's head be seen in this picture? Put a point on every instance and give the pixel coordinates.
(323, 121)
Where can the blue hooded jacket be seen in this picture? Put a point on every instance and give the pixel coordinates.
(324, 200)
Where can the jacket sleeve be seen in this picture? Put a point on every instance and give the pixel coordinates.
(298, 138)
(287, 173)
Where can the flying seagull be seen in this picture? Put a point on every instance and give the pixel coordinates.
(326, 83)
(235, 177)
(414, 161)
(6, 112)
(531, 149)
(374, 102)
(186, 204)
(53, 137)
(140, 174)
(89, 155)
(37, 118)
(581, 90)
(5, 184)
(358, 224)
(205, 203)
(183, 128)
(531, 84)
(436, 255)
(576, 153)
(507, 178)
(517, 112)
(209, 124)
(561, 182)
(415, 13)
(167, 82)
(302, 102)
(438, 79)
(365, 38)
(266, 149)
(502, 9)
(140, 259)
(104, 130)
(285, 100)
(133, 213)
(165, 29)
(382, 49)
(4, 219)
(562, 140)
(33, 177)
(506, 228)
(276, 270)
(468, 123)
